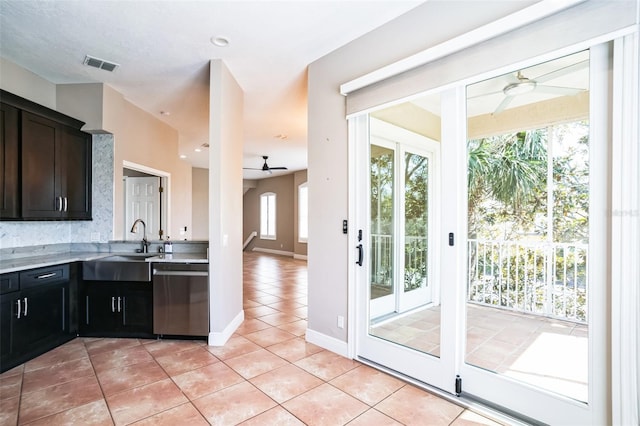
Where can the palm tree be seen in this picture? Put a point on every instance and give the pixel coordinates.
(509, 173)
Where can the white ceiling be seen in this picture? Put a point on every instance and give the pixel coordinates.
(164, 49)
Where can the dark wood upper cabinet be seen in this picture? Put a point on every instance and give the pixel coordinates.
(52, 163)
(9, 145)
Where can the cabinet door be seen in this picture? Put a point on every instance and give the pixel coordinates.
(9, 208)
(43, 318)
(76, 175)
(41, 186)
(7, 311)
(99, 309)
(137, 304)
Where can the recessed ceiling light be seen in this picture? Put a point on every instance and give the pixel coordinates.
(220, 41)
(197, 150)
(183, 156)
(165, 113)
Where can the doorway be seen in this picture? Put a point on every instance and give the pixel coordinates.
(146, 195)
(514, 306)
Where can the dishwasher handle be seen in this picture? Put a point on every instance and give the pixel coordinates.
(181, 273)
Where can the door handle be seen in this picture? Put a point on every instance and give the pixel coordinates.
(65, 204)
(26, 306)
(19, 309)
(118, 303)
(113, 304)
(360, 255)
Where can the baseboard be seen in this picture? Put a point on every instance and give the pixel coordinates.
(271, 251)
(327, 342)
(219, 338)
(300, 256)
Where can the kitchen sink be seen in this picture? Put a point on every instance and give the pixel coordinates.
(121, 267)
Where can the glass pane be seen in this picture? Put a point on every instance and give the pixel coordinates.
(272, 215)
(263, 216)
(303, 221)
(416, 204)
(382, 224)
(404, 309)
(528, 205)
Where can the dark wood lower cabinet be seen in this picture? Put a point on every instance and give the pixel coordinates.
(116, 309)
(33, 321)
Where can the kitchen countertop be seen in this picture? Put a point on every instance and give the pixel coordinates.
(24, 263)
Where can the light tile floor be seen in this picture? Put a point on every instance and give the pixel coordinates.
(266, 374)
(545, 352)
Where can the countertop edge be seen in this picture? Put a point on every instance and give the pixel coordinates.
(25, 263)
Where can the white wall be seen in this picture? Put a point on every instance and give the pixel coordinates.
(225, 203)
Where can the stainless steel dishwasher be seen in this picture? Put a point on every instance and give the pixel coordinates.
(181, 299)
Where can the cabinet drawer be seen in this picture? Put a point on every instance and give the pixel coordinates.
(9, 283)
(40, 276)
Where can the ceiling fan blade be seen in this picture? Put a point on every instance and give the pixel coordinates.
(249, 168)
(505, 103)
(278, 168)
(480, 95)
(555, 90)
(562, 71)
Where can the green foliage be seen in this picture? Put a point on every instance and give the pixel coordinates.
(508, 201)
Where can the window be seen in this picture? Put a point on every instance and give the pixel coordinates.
(303, 212)
(268, 216)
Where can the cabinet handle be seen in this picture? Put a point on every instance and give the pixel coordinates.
(118, 303)
(124, 311)
(26, 306)
(65, 204)
(19, 309)
(44, 276)
(59, 204)
(113, 301)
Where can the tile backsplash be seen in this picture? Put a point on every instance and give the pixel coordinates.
(100, 229)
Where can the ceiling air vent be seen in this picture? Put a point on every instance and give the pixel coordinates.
(100, 63)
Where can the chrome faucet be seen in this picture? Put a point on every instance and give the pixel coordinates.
(134, 228)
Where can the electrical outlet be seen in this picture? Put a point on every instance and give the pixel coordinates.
(340, 321)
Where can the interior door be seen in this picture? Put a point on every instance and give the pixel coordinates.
(142, 201)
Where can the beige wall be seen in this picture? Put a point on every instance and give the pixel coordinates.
(226, 105)
(138, 136)
(83, 101)
(200, 204)
(143, 139)
(26, 84)
(282, 186)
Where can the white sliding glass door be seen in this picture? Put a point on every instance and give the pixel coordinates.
(483, 238)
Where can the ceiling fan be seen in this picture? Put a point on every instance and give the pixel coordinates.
(265, 166)
(523, 85)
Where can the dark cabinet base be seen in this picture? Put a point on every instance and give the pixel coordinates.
(116, 309)
(34, 314)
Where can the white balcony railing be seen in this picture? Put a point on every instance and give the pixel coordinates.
(547, 279)
(415, 260)
(540, 278)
